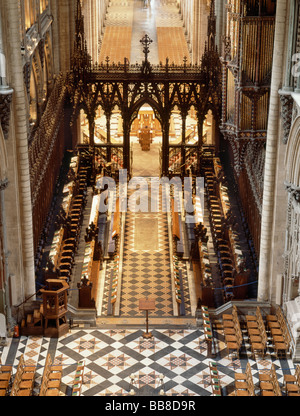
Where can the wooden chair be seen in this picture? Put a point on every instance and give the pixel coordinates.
(51, 380)
(244, 385)
(292, 378)
(270, 387)
(259, 347)
(24, 379)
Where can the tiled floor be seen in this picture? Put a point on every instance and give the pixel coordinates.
(111, 356)
(146, 266)
(112, 352)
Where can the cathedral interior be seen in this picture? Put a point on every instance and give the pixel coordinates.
(149, 198)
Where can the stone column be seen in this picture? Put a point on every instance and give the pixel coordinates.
(18, 201)
(55, 36)
(267, 223)
(66, 42)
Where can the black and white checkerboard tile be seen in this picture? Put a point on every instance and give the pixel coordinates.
(112, 356)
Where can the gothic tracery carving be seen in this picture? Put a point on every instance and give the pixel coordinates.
(286, 114)
(5, 105)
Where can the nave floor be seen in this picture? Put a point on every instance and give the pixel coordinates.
(130, 20)
(145, 266)
(112, 355)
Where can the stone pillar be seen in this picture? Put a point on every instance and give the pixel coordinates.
(195, 36)
(55, 36)
(18, 195)
(66, 40)
(267, 223)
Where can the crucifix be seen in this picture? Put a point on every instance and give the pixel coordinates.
(146, 42)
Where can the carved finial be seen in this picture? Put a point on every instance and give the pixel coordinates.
(79, 25)
(211, 27)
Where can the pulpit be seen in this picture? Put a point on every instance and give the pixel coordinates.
(145, 138)
(55, 308)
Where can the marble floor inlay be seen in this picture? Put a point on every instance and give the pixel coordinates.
(118, 360)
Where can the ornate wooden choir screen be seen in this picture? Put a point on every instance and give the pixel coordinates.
(128, 87)
(87, 86)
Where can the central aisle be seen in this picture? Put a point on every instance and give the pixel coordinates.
(128, 21)
(146, 263)
(146, 258)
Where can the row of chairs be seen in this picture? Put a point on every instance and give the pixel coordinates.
(244, 385)
(74, 223)
(51, 379)
(114, 286)
(232, 332)
(24, 379)
(208, 333)
(205, 263)
(268, 383)
(218, 225)
(257, 333)
(215, 379)
(279, 333)
(5, 378)
(292, 382)
(177, 284)
(78, 379)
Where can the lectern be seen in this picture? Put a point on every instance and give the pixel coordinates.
(147, 305)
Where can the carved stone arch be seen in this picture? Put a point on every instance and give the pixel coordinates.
(292, 156)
